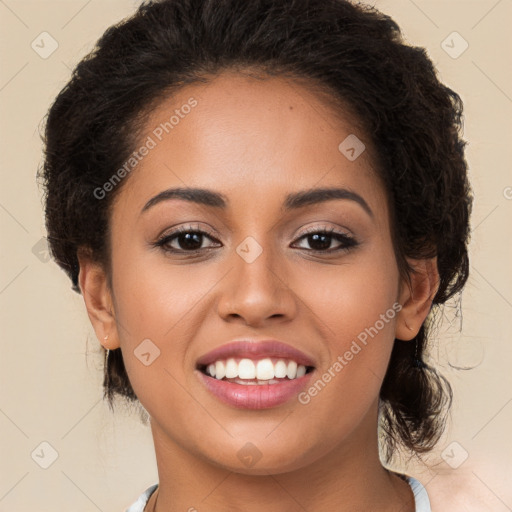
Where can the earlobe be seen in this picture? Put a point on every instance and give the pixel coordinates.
(416, 296)
(98, 301)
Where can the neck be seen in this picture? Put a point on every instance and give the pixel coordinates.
(349, 477)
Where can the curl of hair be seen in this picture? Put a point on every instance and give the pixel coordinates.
(352, 52)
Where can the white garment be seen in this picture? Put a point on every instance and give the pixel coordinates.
(421, 501)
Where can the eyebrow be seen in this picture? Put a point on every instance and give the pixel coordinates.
(292, 201)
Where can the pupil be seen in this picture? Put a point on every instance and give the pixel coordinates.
(324, 244)
(191, 239)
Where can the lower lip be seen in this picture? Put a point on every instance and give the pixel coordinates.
(260, 396)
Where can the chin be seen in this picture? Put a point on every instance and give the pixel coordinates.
(264, 459)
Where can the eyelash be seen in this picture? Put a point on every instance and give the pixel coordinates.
(347, 242)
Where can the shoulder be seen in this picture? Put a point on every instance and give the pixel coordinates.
(462, 491)
(142, 500)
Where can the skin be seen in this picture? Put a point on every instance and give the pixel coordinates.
(255, 141)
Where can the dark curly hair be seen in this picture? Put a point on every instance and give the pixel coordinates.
(353, 53)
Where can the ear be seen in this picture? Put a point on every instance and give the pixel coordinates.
(98, 300)
(416, 297)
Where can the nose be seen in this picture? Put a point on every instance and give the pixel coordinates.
(256, 291)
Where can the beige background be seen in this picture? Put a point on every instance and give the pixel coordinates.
(50, 368)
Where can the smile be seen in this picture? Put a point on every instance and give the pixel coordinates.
(255, 374)
(264, 371)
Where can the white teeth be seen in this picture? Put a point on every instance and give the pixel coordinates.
(265, 369)
(231, 369)
(246, 369)
(280, 369)
(255, 382)
(291, 371)
(220, 370)
(262, 371)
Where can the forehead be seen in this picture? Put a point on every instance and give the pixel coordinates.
(237, 133)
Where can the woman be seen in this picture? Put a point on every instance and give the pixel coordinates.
(262, 204)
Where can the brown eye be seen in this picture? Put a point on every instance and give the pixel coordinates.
(183, 240)
(321, 240)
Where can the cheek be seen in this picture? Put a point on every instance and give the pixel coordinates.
(357, 304)
(152, 310)
(153, 297)
(351, 297)
(161, 302)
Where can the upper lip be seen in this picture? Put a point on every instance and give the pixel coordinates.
(255, 349)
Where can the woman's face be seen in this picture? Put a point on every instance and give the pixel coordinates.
(256, 147)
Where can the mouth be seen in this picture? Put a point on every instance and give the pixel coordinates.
(255, 375)
(245, 371)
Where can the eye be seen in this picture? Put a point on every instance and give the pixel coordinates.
(189, 239)
(321, 239)
(186, 238)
